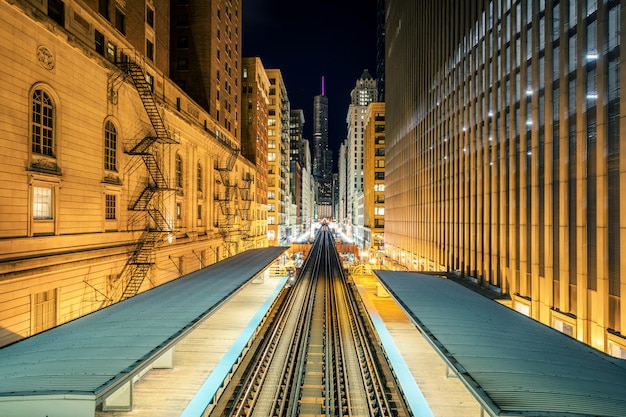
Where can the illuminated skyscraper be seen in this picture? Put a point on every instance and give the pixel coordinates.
(255, 88)
(363, 93)
(296, 163)
(380, 49)
(504, 155)
(320, 133)
(322, 161)
(278, 140)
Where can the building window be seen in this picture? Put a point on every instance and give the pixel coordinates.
(379, 175)
(182, 42)
(150, 81)
(42, 124)
(120, 21)
(150, 16)
(110, 207)
(99, 42)
(56, 11)
(199, 211)
(200, 179)
(110, 146)
(179, 171)
(103, 8)
(182, 64)
(183, 20)
(44, 310)
(111, 52)
(42, 203)
(149, 50)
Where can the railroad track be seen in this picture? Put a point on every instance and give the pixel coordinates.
(316, 353)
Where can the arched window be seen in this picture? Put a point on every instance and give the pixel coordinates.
(179, 171)
(110, 146)
(42, 123)
(200, 179)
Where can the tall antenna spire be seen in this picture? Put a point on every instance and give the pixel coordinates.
(323, 86)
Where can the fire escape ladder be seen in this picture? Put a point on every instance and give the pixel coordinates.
(159, 222)
(245, 203)
(151, 199)
(135, 71)
(142, 202)
(158, 178)
(232, 158)
(226, 201)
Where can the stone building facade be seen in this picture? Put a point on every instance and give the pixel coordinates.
(114, 180)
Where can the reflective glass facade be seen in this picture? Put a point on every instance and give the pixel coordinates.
(503, 155)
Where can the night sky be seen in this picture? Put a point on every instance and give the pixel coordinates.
(334, 39)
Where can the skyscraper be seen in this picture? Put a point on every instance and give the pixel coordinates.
(380, 49)
(374, 179)
(278, 158)
(205, 57)
(320, 134)
(503, 154)
(363, 93)
(255, 88)
(296, 155)
(322, 161)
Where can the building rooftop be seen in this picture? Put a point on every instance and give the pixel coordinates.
(512, 364)
(94, 355)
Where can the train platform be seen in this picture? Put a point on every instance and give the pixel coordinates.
(167, 352)
(426, 381)
(468, 355)
(149, 355)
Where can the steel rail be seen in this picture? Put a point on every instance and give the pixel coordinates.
(317, 352)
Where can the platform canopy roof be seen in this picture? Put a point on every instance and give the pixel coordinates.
(514, 365)
(95, 354)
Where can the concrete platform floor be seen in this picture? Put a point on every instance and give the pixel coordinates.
(167, 392)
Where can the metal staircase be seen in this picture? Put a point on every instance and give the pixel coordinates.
(228, 202)
(150, 201)
(245, 204)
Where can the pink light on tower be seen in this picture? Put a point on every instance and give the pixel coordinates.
(323, 87)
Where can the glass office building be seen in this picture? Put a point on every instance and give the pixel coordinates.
(503, 154)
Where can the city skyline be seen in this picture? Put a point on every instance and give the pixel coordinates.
(314, 49)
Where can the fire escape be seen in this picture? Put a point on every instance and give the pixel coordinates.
(149, 202)
(245, 204)
(227, 223)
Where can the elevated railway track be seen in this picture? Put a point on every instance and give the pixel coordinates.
(316, 353)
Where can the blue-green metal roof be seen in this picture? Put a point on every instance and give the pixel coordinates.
(514, 365)
(97, 353)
